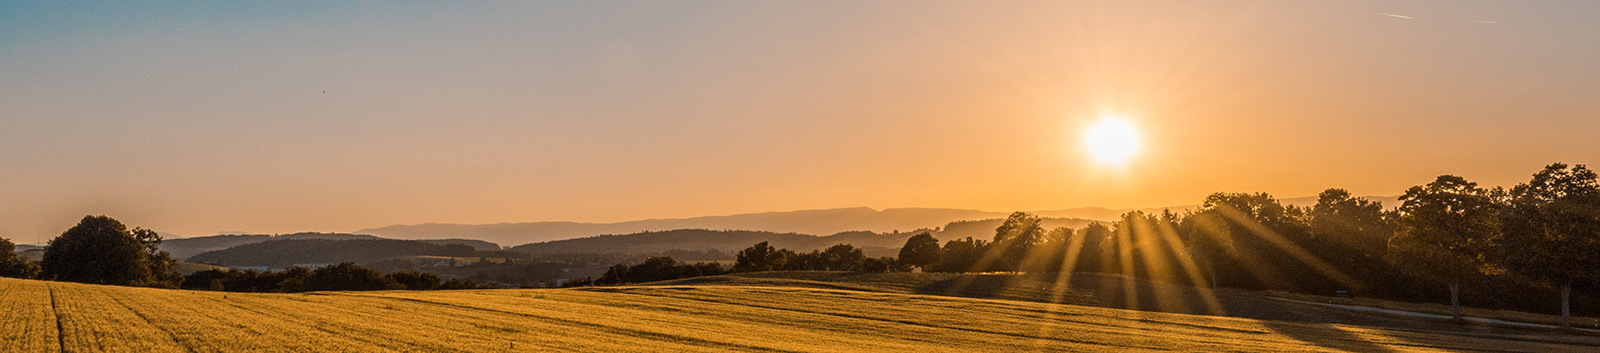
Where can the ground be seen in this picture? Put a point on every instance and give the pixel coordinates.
(715, 315)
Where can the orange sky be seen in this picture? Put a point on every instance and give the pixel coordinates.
(199, 120)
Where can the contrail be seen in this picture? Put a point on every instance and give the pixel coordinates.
(1395, 16)
(1490, 22)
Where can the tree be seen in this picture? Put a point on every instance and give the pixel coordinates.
(1094, 252)
(759, 257)
(1448, 230)
(1269, 244)
(163, 268)
(416, 280)
(810, 261)
(961, 255)
(102, 250)
(1352, 222)
(348, 276)
(920, 250)
(1014, 239)
(15, 266)
(1353, 234)
(1552, 229)
(843, 257)
(1210, 241)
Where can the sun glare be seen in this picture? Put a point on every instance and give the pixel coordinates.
(1112, 141)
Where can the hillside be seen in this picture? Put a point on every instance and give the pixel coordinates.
(825, 221)
(729, 241)
(183, 248)
(51, 317)
(285, 253)
(830, 221)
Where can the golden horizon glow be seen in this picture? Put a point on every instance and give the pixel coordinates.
(282, 118)
(1112, 141)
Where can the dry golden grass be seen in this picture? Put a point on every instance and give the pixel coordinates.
(656, 318)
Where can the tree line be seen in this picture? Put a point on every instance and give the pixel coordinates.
(102, 250)
(1516, 246)
(345, 276)
(759, 257)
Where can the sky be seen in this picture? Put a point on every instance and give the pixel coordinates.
(194, 118)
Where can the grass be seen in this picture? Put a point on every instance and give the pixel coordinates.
(1443, 309)
(52, 316)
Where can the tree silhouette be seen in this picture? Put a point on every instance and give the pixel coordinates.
(1552, 229)
(348, 276)
(1014, 239)
(843, 257)
(416, 280)
(1447, 231)
(961, 255)
(920, 250)
(759, 257)
(15, 266)
(102, 250)
(1353, 234)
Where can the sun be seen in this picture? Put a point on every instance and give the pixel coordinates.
(1112, 141)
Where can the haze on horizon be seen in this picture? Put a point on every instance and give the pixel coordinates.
(335, 117)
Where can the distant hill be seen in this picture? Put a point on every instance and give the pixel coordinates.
(830, 221)
(478, 245)
(825, 221)
(730, 241)
(290, 252)
(183, 248)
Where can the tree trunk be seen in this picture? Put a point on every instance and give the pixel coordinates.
(1455, 300)
(1566, 305)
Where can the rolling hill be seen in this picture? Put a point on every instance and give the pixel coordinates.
(290, 252)
(43, 316)
(184, 248)
(825, 221)
(728, 241)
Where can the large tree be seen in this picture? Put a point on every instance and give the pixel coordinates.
(1014, 239)
(1552, 229)
(1352, 233)
(760, 257)
(843, 257)
(15, 266)
(1448, 231)
(920, 250)
(102, 250)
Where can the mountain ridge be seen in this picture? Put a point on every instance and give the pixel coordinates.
(812, 221)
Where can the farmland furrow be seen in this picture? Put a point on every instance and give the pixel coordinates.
(147, 321)
(659, 336)
(897, 321)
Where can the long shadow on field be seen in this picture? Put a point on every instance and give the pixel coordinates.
(1309, 323)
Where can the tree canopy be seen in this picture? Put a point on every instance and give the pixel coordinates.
(102, 250)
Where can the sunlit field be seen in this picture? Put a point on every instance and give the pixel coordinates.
(52, 316)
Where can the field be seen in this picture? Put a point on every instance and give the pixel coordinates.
(51, 316)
